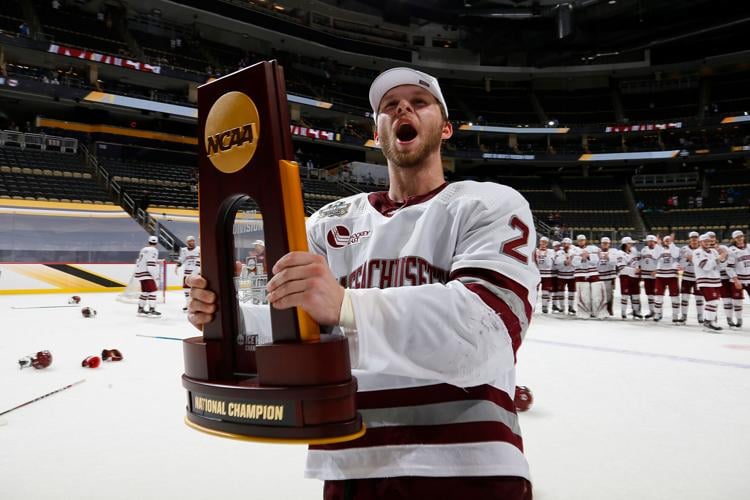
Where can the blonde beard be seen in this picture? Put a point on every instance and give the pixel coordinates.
(431, 140)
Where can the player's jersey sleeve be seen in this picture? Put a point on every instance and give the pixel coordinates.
(466, 331)
(181, 258)
(151, 262)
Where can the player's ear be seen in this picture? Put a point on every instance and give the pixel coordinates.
(447, 130)
(375, 135)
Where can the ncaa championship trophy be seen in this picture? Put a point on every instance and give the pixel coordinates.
(298, 388)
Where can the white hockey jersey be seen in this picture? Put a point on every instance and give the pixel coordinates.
(147, 266)
(707, 267)
(442, 287)
(666, 265)
(741, 257)
(607, 266)
(649, 260)
(688, 265)
(726, 268)
(545, 261)
(586, 267)
(190, 261)
(628, 263)
(564, 263)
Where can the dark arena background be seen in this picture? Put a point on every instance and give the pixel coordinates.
(613, 118)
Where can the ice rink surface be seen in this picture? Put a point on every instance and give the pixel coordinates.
(623, 410)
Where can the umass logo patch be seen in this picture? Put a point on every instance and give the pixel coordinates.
(340, 236)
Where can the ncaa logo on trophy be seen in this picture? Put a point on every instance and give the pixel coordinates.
(231, 134)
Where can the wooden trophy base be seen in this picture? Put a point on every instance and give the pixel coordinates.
(303, 393)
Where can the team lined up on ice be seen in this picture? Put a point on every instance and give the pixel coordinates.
(585, 275)
(147, 272)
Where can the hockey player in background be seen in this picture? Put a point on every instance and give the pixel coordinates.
(728, 280)
(630, 286)
(688, 286)
(708, 261)
(556, 295)
(741, 256)
(591, 301)
(667, 279)
(566, 281)
(440, 288)
(731, 288)
(649, 258)
(545, 261)
(190, 262)
(147, 273)
(607, 268)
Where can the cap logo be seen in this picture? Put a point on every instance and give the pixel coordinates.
(424, 83)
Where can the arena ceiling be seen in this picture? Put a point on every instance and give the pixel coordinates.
(556, 32)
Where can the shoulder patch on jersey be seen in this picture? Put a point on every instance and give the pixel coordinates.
(335, 209)
(340, 236)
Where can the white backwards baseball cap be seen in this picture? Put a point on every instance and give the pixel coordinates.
(694, 234)
(605, 240)
(650, 237)
(581, 237)
(396, 77)
(555, 243)
(711, 234)
(704, 237)
(259, 242)
(626, 239)
(737, 233)
(543, 238)
(567, 240)
(190, 238)
(153, 239)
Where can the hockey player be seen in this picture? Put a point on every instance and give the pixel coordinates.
(255, 262)
(440, 292)
(649, 258)
(666, 279)
(731, 289)
(147, 272)
(566, 280)
(741, 255)
(707, 262)
(607, 268)
(630, 285)
(190, 262)
(688, 286)
(545, 261)
(556, 295)
(591, 301)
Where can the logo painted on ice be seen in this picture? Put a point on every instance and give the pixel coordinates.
(340, 236)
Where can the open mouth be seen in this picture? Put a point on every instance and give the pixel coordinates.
(406, 132)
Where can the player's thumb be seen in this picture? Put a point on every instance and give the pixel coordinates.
(237, 267)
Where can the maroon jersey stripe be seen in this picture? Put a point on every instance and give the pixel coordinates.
(431, 394)
(509, 319)
(473, 432)
(497, 279)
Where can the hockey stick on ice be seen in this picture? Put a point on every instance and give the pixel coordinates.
(44, 307)
(44, 396)
(158, 337)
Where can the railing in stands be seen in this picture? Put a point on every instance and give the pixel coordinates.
(167, 239)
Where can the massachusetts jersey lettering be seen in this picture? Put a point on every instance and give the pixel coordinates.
(387, 273)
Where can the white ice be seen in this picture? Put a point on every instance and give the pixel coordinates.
(623, 410)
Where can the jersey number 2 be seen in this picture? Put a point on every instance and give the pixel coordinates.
(509, 246)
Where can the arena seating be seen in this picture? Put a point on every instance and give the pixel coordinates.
(47, 175)
(11, 16)
(76, 27)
